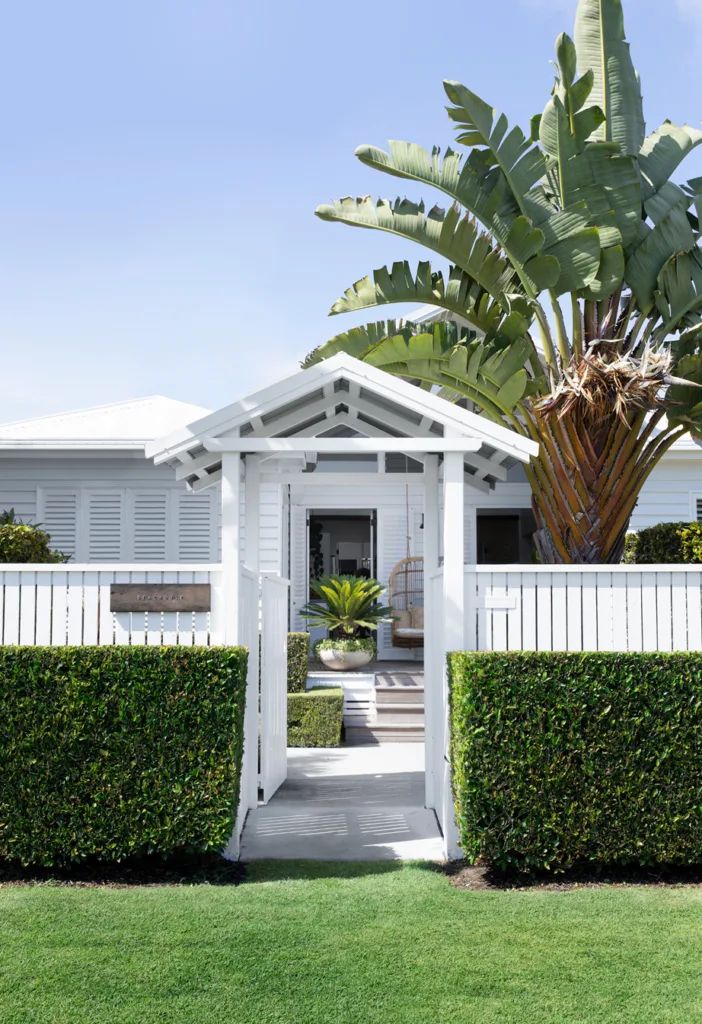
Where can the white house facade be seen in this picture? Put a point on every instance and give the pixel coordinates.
(91, 479)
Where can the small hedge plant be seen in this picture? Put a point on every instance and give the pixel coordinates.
(315, 718)
(298, 661)
(112, 752)
(665, 544)
(559, 759)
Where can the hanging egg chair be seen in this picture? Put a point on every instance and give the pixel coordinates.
(406, 598)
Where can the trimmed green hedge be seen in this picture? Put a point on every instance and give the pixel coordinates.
(298, 661)
(315, 718)
(565, 758)
(665, 544)
(118, 751)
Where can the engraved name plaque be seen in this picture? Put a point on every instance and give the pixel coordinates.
(160, 597)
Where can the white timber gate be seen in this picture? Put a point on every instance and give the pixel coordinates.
(274, 684)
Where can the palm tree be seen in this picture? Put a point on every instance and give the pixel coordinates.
(572, 308)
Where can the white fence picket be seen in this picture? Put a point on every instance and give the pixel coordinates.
(528, 600)
(11, 631)
(514, 613)
(634, 614)
(694, 611)
(28, 597)
(543, 613)
(42, 635)
(91, 607)
(620, 630)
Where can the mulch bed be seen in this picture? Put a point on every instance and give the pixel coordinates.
(483, 879)
(204, 869)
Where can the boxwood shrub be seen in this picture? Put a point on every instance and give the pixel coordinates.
(559, 759)
(298, 661)
(118, 751)
(665, 544)
(315, 718)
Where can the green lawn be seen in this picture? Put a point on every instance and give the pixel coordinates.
(314, 944)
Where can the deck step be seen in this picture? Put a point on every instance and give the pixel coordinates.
(379, 732)
(385, 695)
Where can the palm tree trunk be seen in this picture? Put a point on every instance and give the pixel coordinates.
(586, 482)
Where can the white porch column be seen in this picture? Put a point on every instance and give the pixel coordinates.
(253, 513)
(231, 545)
(433, 650)
(453, 611)
(454, 552)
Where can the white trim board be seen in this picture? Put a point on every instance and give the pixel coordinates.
(341, 445)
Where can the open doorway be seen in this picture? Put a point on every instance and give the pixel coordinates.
(506, 536)
(341, 542)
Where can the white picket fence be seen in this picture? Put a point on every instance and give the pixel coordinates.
(70, 605)
(583, 608)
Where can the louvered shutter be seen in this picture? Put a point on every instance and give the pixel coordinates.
(149, 516)
(195, 527)
(105, 516)
(699, 510)
(299, 572)
(58, 514)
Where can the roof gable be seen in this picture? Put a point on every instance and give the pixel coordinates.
(318, 387)
(340, 397)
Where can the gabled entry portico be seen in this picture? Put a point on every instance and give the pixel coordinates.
(318, 426)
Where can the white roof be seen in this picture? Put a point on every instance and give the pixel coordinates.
(119, 425)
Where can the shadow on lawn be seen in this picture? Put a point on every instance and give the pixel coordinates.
(309, 870)
(195, 869)
(198, 869)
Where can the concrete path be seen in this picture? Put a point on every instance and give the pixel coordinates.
(351, 803)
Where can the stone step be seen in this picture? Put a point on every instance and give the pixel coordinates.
(399, 695)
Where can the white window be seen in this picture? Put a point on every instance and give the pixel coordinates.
(102, 524)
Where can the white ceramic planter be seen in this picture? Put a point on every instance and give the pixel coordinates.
(344, 661)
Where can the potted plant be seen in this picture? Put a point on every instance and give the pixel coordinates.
(347, 606)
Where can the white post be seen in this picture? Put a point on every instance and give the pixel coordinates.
(454, 552)
(253, 513)
(231, 544)
(454, 622)
(433, 673)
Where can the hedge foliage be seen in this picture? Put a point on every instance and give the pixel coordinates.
(665, 544)
(298, 661)
(315, 718)
(118, 751)
(20, 543)
(559, 759)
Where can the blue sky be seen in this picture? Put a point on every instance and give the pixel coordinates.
(161, 161)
